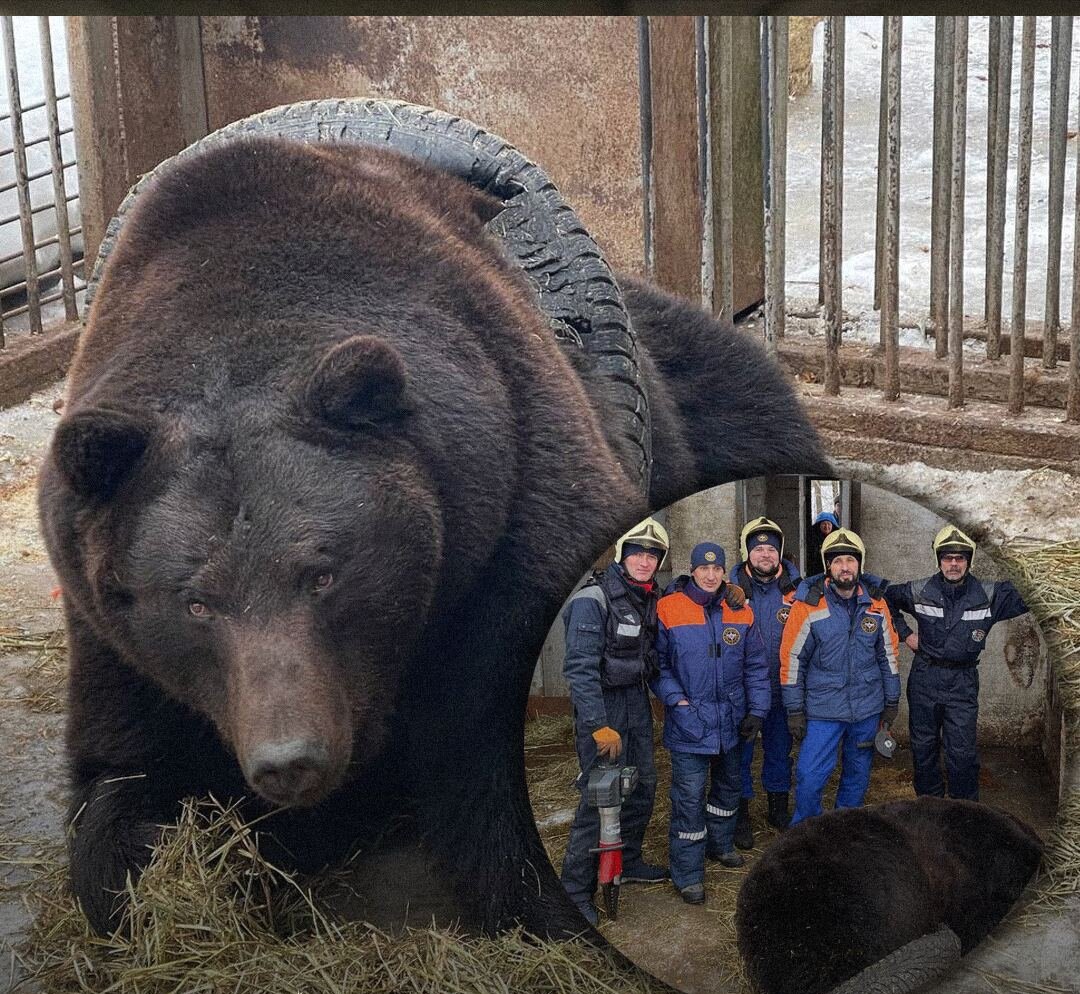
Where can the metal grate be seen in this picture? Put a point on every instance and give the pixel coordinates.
(953, 227)
(41, 265)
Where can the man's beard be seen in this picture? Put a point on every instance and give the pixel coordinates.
(845, 584)
(758, 574)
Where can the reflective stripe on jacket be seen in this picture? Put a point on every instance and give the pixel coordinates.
(953, 621)
(713, 656)
(836, 665)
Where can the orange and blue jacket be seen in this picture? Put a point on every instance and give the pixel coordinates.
(711, 655)
(836, 664)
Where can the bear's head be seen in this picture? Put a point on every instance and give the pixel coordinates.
(271, 580)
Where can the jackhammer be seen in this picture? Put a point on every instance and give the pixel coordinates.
(608, 785)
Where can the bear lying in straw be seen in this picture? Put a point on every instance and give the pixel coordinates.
(324, 476)
(838, 892)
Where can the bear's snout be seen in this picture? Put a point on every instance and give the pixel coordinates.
(293, 773)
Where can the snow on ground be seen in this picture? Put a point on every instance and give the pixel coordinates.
(862, 69)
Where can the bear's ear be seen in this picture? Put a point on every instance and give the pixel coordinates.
(360, 381)
(96, 449)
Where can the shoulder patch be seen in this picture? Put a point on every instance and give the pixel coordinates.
(732, 636)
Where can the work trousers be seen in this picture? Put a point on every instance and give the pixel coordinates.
(943, 710)
(628, 712)
(817, 760)
(776, 745)
(698, 820)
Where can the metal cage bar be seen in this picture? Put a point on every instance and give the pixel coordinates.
(832, 113)
(1023, 199)
(956, 221)
(776, 57)
(997, 181)
(940, 203)
(1060, 66)
(889, 217)
(22, 183)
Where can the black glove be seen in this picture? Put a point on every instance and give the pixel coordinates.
(749, 727)
(734, 595)
(796, 723)
(888, 716)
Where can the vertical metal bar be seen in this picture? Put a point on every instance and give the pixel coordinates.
(776, 223)
(838, 139)
(63, 224)
(725, 277)
(827, 61)
(645, 108)
(993, 69)
(890, 295)
(1060, 67)
(940, 204)
(995, 218)
(1023, 198)
(832, 157)
(1072, 404)
(706, 117)
(879, 227)
(33, 295)
(956, 223)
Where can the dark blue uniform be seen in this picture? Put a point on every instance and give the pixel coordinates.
(953, 621)
(610, 656)
(771, 601)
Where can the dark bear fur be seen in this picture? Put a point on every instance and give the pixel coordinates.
(840, 891)
(322, 481)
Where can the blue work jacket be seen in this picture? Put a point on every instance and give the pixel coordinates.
(711, 655)
(953, 620)
(771, 601)
(836, 664)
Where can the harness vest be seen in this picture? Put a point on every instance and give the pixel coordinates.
(630, 630)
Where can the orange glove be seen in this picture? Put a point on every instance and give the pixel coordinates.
(608, 742)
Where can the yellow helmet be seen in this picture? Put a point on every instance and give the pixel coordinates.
(842, 542)
(951, 539)
(648, 533)
(759, 526)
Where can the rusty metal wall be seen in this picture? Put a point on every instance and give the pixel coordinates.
(562, 89)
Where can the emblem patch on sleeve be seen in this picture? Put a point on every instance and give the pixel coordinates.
(782, 614)
(868, 624)
(731, 636)
(978, 635)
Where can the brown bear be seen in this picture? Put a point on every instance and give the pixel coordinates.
(839, 892)
(322, 480)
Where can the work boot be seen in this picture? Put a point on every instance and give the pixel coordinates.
(693, 893)
(732, 860)
(744, 834)
(588, 912)
(645, 873)
(779, 816)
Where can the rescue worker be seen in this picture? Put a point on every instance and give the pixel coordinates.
(769, 581)
(610, 657)
(953, 611)
(824, 525)
(714, 681)
(838, 675)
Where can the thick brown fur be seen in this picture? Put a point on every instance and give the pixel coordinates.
(317, 443)
(840, 891)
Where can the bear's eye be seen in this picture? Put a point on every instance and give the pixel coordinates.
(323, 581)
(197, 609)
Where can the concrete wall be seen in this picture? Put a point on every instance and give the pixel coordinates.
(1013, 671)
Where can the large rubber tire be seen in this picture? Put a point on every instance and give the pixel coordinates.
(909, 968)
(574, 285)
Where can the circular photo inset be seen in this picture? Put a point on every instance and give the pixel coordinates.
(793, 731)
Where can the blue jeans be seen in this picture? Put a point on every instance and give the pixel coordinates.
(817, 760)
(776, 744)
(943, 710)
(695, 817)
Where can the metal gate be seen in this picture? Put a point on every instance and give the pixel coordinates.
(40, 245)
